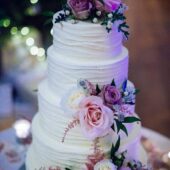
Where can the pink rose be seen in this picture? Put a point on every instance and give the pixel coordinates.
(80, 8)
(95, 118)
(111, 5)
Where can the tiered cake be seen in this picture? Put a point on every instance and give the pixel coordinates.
(86, 54)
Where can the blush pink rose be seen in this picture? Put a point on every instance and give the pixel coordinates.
(111, 5)
(80, 8)
(95, 118)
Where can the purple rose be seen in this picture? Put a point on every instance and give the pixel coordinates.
(111, 5)
(99, 5)
(111, 95)
(80, 8)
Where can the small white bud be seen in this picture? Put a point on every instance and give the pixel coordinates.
(109, 24)
(95, 20)
(72, 21)
(126, 93)
(110, 15)
(67, 12)
(98, 13)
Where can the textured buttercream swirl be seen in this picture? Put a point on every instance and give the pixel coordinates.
(86, 40)
(63, 72)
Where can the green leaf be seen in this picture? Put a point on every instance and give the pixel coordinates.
(98, 89)
(115, 148)
(113, 83)
(131, 120)
(113, 127)
(117, 144)
(121, 126)
(48, 13)
(136, 91)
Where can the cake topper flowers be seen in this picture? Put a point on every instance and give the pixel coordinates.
(104, 12)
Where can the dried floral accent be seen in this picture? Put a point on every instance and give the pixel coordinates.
(96, 157)
(70, 126)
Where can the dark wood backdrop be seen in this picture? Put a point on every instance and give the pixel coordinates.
(149, 47)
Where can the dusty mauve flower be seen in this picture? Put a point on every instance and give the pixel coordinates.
(80, 8)
(111, 5)
(111, 95)
(95, 118)
(99, 5)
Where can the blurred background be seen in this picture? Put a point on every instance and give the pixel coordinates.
(25, 27)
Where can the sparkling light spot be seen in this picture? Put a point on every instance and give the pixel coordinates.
(34, 50)
(41, 52)
(25, 30)
(14, 30)
(33, 1)
(30, 41)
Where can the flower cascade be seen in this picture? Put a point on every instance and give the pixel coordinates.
(100, 109)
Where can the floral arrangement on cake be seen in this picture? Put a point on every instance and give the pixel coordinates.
(105, 12)
(100, 109)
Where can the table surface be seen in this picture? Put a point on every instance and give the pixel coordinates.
(8, 136)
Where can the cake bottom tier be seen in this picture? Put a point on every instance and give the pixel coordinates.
(46, 153)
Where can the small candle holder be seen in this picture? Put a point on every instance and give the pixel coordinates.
(22, 129)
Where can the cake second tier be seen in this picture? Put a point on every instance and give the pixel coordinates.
(64, 72)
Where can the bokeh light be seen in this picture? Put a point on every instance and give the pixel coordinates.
(34, 50)
(14, 30)
(6, 23)
(30, 41)
(25, 31)
(41, 52)
(33, 1)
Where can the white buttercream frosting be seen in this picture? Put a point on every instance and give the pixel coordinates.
(86, 40)
(63, 72)
(48, 130)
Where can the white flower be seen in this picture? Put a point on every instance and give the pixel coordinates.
(109, 24)
(71, 100)
(72, 21)
(110, 15)
(98, 13)
(67, 12)
(95, 20)
(105, 165)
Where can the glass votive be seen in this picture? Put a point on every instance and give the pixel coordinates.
(22, 129)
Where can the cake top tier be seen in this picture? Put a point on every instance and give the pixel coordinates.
(104, 12)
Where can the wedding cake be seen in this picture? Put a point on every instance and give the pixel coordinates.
(86, 117)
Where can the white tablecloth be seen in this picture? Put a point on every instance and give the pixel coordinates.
(8, 136)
